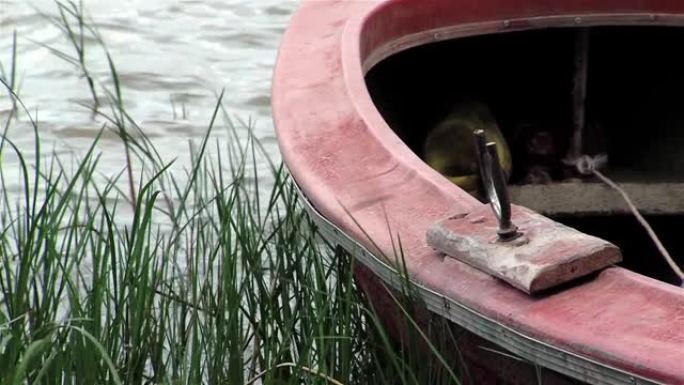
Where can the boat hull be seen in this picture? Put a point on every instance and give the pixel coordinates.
(366, 189)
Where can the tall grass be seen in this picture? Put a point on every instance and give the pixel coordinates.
(214, 288)
(200, 277)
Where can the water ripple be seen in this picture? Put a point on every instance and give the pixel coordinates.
(173, 59)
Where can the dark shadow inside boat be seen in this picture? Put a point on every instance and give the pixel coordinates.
(634, 114)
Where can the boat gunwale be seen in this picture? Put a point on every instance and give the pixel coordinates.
(503, 26)
(353, 70)
(539, 352)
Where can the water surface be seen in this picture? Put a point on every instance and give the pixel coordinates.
(173, 59)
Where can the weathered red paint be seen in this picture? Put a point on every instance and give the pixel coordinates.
(355, 170)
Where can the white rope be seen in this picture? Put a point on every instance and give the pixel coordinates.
(587, 165)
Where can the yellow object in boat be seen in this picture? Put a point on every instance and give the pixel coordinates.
(450, 146)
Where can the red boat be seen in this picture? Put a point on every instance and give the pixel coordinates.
(357, 86)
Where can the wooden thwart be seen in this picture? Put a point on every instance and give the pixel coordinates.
(545, 255)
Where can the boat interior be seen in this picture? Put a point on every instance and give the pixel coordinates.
(634, 113)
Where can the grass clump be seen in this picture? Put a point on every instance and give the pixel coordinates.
(151, 276)
(209, 281)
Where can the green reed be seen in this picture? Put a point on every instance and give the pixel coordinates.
(210, 275)
(221, 286)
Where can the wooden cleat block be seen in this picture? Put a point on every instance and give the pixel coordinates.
(546, 253)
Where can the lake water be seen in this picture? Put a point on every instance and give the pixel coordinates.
(173, 57)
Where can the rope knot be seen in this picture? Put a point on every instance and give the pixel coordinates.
(586, 164)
